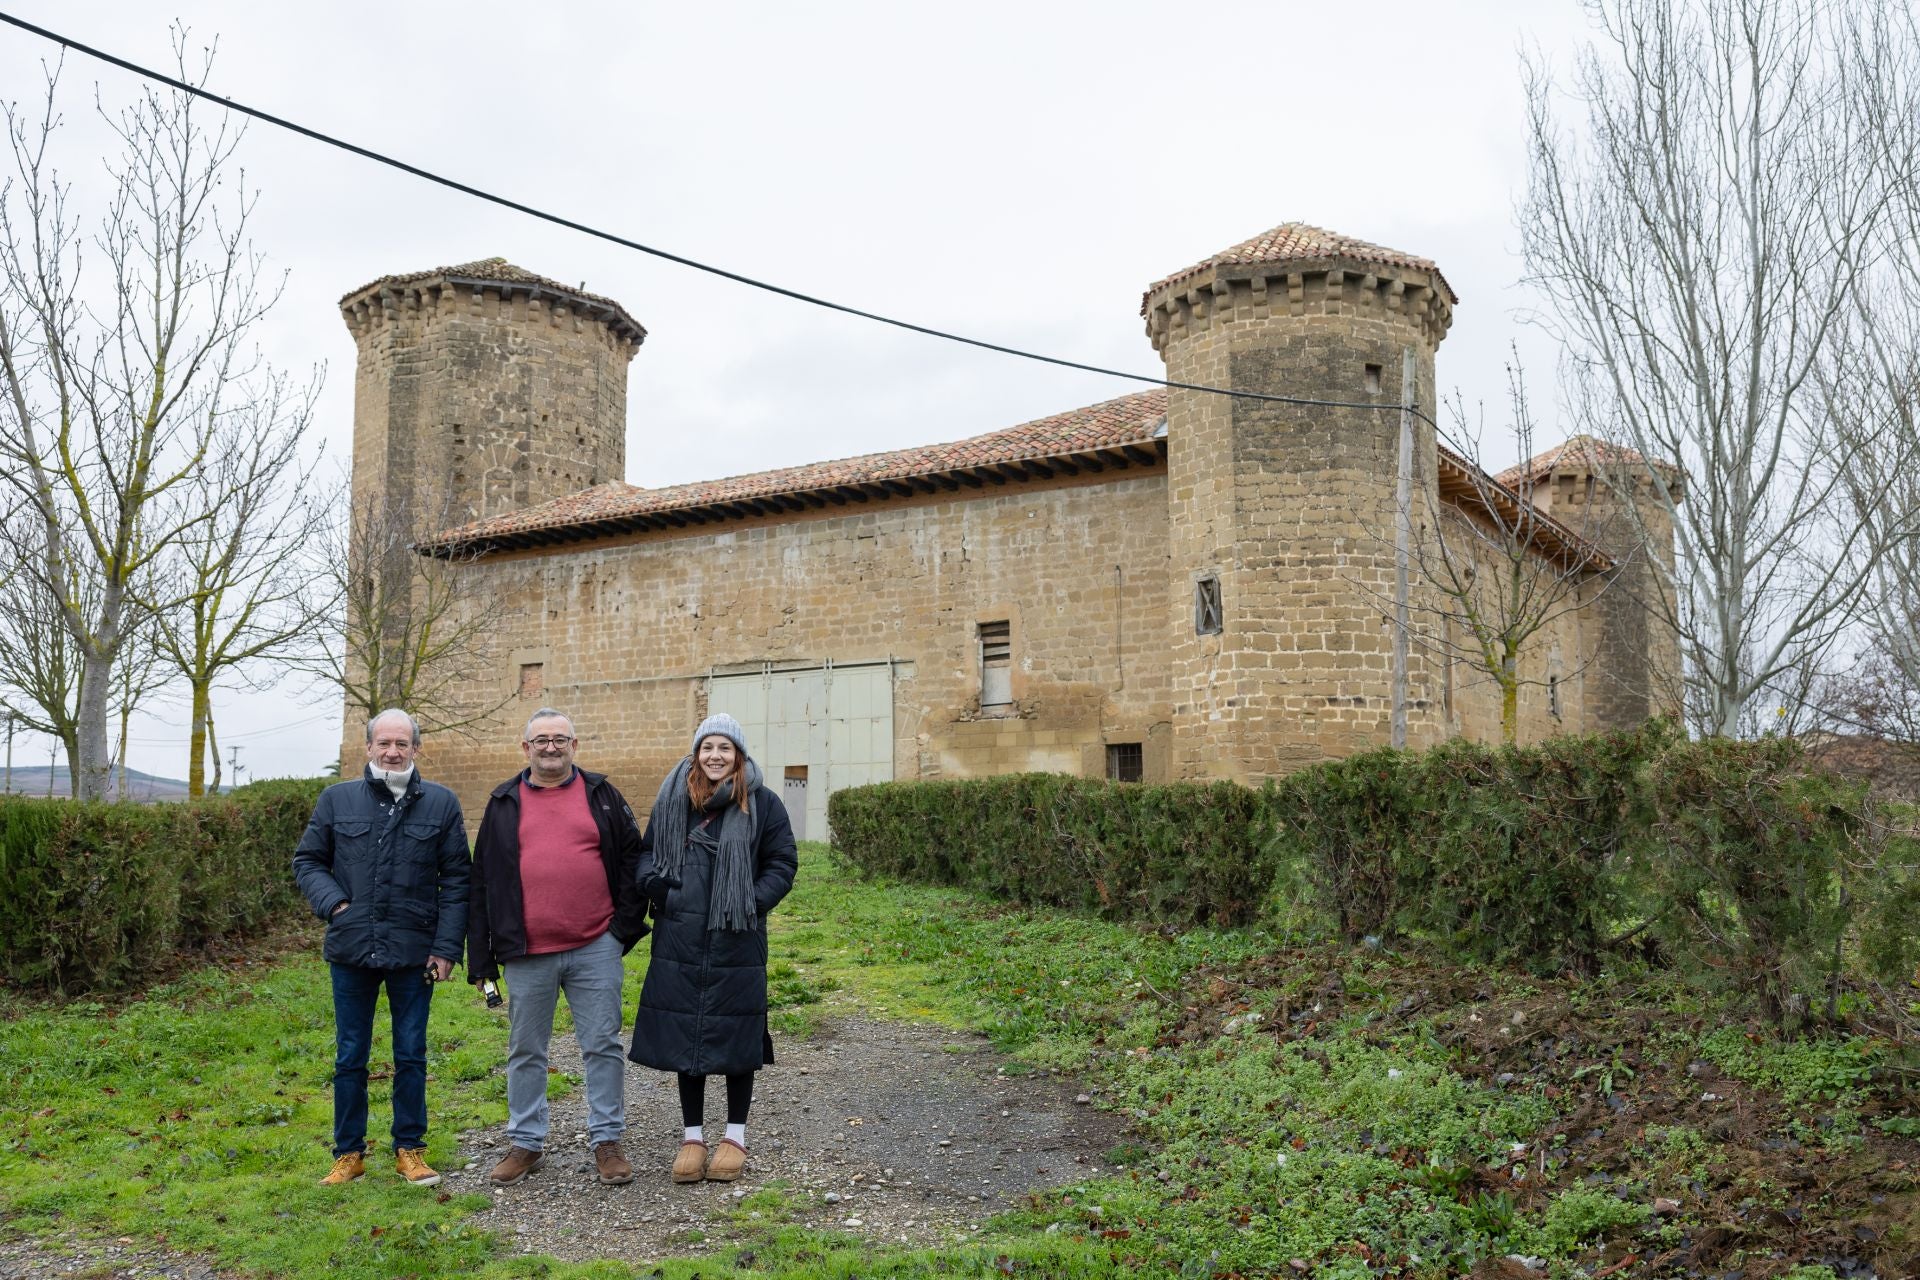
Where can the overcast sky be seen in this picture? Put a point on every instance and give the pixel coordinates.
(1013, 171)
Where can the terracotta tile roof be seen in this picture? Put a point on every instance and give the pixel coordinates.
(499, 271)
(1588, 452)
(1127, 427)
(1466, 486)
(1298, 242)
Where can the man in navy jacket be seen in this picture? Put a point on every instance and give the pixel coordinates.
(384, 863)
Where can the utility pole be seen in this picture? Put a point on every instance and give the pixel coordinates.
(233, 765)
(9, 753)
(1402, 548)
(53, 753)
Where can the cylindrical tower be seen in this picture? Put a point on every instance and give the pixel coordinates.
(484, 388)
(1282, 517)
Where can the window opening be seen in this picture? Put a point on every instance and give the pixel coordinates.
(1373, 379)
(1124, 762)
(1206, 607)
(996, 664)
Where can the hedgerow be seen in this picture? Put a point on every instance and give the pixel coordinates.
(92, 895)
(1730, 857)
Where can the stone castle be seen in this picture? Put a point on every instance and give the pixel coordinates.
(1174, 584)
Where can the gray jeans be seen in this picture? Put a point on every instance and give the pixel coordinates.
(591, 977)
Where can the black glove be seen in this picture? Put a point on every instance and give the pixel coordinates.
(656, 887)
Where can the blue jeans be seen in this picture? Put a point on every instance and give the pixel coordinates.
(355, 993)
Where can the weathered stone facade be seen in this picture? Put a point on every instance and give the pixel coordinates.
(482, 389)
(1030, 593)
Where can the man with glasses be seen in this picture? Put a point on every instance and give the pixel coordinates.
(384, 863)
(556, 906)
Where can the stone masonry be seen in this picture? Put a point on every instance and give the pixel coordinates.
(1084, 536)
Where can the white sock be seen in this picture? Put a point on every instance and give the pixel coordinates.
(695, 1133)
(737, 1133)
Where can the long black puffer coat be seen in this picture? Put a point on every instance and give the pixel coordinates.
(703, 1008)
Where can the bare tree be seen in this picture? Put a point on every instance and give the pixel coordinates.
(1500, 568)
(39, 666)
(1705, 243)
(413, 631)
(1877, 380)
(246, 585)
(140, 672)
(111, 384)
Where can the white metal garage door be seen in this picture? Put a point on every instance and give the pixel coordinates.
(813, 731)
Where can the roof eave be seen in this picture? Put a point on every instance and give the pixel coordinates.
(1043, 468)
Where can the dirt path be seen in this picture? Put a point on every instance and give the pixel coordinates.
(879, 1129)
(884, 1130)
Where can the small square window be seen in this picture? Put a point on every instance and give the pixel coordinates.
(1206, 607)
(996, 664)
(533, 680)
(1373, 379)
(1124, 762)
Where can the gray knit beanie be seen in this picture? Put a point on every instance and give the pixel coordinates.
(724, 725)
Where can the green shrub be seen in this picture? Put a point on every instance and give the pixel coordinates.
(1745, 863)
(1736, 861)
(1187, 852)
(94, 894)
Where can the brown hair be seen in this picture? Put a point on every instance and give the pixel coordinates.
(700, 789)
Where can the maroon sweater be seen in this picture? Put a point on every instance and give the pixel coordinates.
(563, 882)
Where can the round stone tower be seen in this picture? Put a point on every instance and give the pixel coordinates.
(1282, 517)
(484, 388)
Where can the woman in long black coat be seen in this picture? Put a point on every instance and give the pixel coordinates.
(717, 856)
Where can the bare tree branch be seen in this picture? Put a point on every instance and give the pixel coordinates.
(1706, 243)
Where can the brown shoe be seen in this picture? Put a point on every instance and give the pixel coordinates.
(726, 1162)
(690, 1162)
(515, 1166)
(412, 1164)
(611, 1162)
(347, 1168)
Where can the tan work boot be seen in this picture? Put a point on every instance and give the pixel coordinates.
(347, 1168)
(611, 1163)
(727, 1161)
(515, 1166)
(690, 1162)
(412, 1164)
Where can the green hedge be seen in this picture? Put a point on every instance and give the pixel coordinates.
(1728, 855)
(93, 895)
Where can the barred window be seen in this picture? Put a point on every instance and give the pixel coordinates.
(1206, 607)
(1124, 762)
(996, 664)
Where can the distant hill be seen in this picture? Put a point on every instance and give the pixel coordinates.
(33, 780)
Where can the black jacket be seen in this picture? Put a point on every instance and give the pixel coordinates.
(497, 928)
(402, 865)
(703, 1008)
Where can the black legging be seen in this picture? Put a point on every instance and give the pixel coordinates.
(693, 1098)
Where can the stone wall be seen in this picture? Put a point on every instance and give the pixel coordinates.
(1291, 509)
(472, 401)
(624, 634)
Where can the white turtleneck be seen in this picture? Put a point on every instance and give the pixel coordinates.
(396, 782)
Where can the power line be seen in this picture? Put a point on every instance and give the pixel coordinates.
(751, 282)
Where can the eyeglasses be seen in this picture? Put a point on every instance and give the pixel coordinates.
(543, 743)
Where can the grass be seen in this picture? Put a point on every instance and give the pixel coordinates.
(1356, 1140)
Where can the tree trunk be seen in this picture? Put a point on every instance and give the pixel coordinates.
(94, 765)
(197, 741)
(1509, 698)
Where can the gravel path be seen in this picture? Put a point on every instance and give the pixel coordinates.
(883, 1130)
(878, 1129)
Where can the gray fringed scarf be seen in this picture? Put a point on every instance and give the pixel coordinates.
(728, 839)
